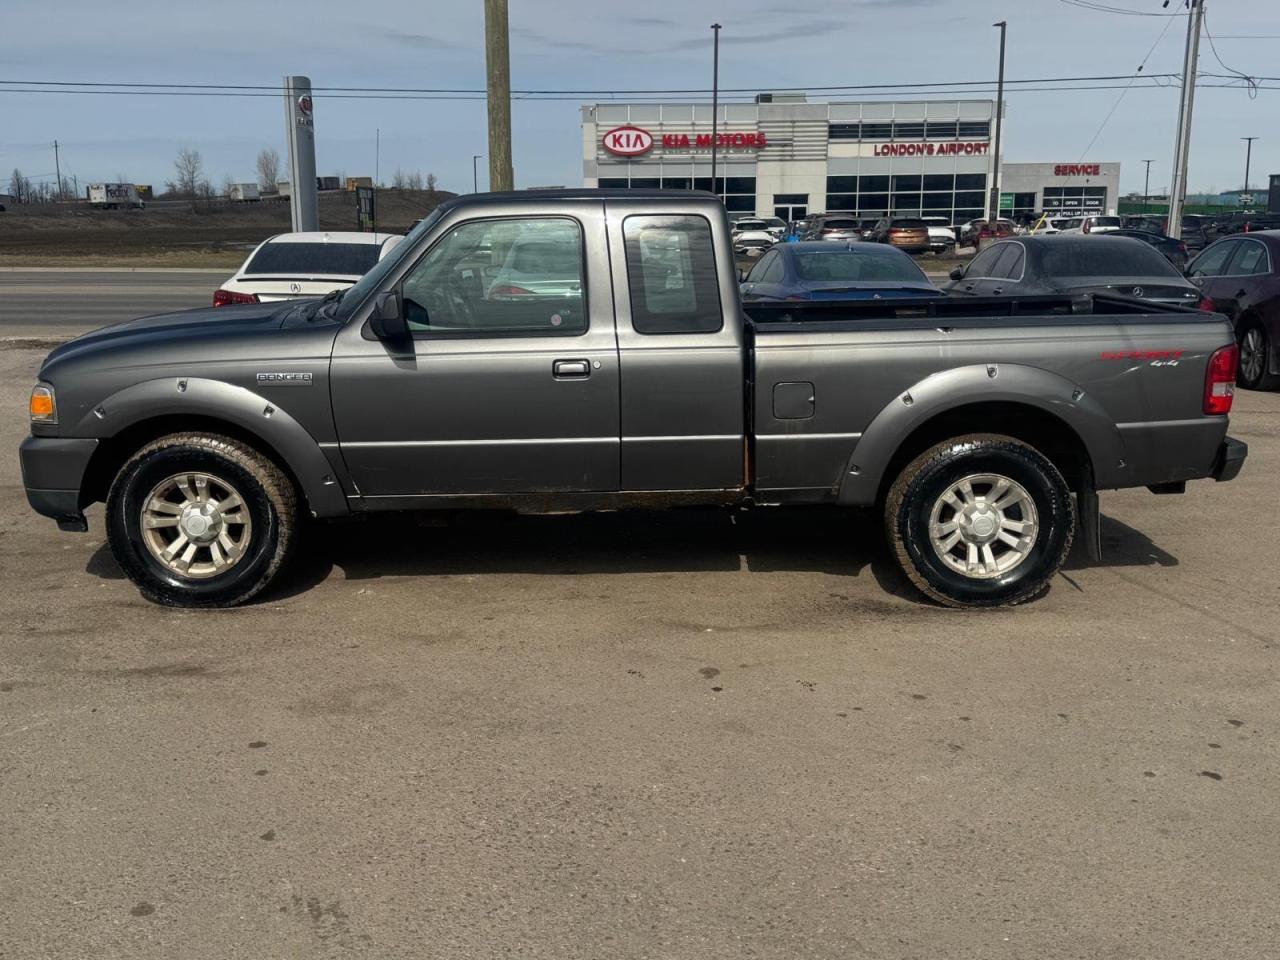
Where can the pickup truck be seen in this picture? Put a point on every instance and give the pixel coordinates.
(586, 349)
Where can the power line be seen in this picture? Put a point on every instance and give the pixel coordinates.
(1109, 8)
(1251, 81)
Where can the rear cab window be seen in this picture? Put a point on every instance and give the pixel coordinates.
(671, 274)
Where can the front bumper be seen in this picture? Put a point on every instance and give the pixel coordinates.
(1230, 458)
(53, 470)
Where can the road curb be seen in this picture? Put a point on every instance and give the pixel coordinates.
(32, 343)
(222, 271)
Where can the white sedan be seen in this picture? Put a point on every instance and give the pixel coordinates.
(291, 265)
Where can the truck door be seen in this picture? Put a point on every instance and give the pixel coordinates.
(681, 353)
(510, 383)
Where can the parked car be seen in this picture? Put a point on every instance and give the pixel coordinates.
(1195, 228)
(975, 231)
(776, 226)
(837, 227)
(835, 271)
(751, 237)
(1175, 251)
(1073, 264)
(291, 265)
(942, 238)
(1093, 224)
(1047, 226)
(211, 433)
(1240, 276)
(906, 233)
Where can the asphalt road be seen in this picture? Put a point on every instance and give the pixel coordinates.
(685, 735)
(69, 302)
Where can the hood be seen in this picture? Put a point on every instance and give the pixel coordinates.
(249, 317)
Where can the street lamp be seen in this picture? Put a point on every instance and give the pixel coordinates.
(1248, 155)
(715, 98)
(475, 177)
(994, 192)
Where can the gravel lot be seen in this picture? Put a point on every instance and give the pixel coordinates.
(640, 735)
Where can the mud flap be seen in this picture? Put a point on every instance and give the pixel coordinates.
(1089, 517)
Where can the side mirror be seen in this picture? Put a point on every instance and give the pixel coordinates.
(387, 320)
(957, 273)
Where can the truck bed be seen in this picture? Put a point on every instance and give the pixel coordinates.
(1125, 375)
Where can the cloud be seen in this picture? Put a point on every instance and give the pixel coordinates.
(809, 28)
(419, 41)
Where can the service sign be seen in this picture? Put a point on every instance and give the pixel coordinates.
(627, 141)
(1077, 170)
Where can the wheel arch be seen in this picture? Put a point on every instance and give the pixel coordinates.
(142, 413)
(1038, 407)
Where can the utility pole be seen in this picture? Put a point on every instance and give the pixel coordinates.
(475, 177)
(57, 168)
(1146, 186)
(1182, 145)
(1248, 155)
(715, 101)
(497, 58)
(994, 192)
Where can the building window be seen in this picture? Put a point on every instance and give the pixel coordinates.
(677, 183)
(908, 130)
(1075, 199)
(941, 129)
(973, 198)
(842, 201)
(873, 204)
(873, 184)
(908, 183)
(645, 183)
(739, 204)
(844, 131)
(613, 182)
(971, 181)
(974, 128)
(792, 197)
(939, 181)
(1024, 207)
(935, 202)
(842, 184)
(877, 131)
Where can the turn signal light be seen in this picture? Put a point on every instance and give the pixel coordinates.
(1206, 305)
(223, 298)
(1220, 380)
(42, 407)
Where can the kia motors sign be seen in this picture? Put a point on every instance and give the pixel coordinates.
(627, 141)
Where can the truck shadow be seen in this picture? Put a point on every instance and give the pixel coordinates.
(695, 540)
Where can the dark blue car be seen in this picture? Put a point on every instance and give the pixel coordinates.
(835, 271)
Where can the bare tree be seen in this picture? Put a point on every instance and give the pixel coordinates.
(431, 182)
(398, 180)
(189, 165)
(228, 184)
(20, 186)
(414, 181)
(268, 170)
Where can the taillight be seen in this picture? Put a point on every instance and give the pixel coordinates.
(1220, 380)
(224, 298)
(1206, 305)
(1182, 248)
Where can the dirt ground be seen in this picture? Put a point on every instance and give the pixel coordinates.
(168, 234)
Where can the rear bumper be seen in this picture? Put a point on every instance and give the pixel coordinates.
(1230, 459)
(53, 471)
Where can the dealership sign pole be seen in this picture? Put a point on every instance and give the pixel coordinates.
(994, 193)
(715, 98)
(301, 131)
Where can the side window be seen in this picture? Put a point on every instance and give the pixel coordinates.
(1213, 261)
(671, 271)
(1249, 260)
(500, 278)
(982, 264)
(1010, 265)
(757, 274)
(775, 271)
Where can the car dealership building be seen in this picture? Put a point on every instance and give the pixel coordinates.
(785, 156)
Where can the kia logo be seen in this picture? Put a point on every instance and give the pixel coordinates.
(628, 141)
(304, 105)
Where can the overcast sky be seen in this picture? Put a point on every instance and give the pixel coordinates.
(605, 45)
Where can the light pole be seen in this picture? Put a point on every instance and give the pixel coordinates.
(1248, 155)
(1146, 185)
(1182, 142)
(475, 177)
(995, 163)
(715, 98)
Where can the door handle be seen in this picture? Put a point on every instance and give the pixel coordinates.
(571, 369)
(997, 290)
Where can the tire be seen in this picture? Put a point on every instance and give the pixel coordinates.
(1036, 493)
(251, 522)
(1253, 340)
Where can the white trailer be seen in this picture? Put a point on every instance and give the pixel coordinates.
(110, 196)
(244, 192)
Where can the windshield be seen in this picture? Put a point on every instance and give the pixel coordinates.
(370, 282)
(850, 266)
(1104, 257)
(311, 259)
(1106, 221)
(749, 225)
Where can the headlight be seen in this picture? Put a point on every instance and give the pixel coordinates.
(42, 406)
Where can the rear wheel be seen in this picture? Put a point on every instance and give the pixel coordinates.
(1255, 357)
(980, 521)
(199, 520)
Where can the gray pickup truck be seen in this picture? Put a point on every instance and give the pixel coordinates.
(579, 350)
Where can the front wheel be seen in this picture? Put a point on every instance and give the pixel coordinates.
(980, 521)
(199, 520)
(1255, 358)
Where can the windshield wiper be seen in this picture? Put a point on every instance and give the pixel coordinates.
(332, 297)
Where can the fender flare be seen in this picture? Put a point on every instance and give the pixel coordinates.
(947, 390)
(262, 418)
